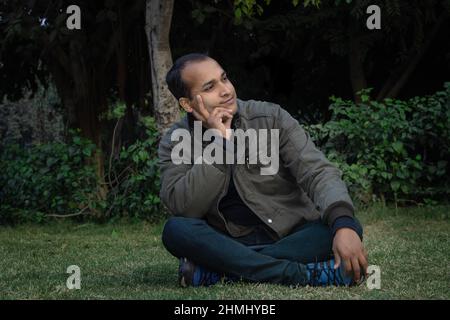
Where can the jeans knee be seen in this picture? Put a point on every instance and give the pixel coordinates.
(176, 230)
(171, 229)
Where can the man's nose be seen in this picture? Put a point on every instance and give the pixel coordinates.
(224, 90)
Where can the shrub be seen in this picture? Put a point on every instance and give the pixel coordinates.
(50, 178)
(391, 148)
(135, 179)
(56, 179)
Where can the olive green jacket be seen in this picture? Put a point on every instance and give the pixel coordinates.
(306, 187)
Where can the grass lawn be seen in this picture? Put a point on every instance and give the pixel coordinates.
(128, 261)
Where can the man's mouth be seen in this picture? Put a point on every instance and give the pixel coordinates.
(229, 101)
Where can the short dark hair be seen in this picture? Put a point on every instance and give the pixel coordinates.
(173, 78)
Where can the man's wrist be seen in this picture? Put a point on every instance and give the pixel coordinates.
(336, 210)
(345, 222)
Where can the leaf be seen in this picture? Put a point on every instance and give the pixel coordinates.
(397, 146)
(87, 152)
(77, 140)
(404, 188)
(238, 14)
(259, 9)
(395, 185)
(51, 161)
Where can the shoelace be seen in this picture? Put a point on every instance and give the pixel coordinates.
(319, 268)
(208, 277)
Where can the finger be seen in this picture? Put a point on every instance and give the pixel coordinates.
(348, 266)
(356, 269)
(222, 110)
(201, 107)
(337, 260)
(227, 115)
(198, 116)
(222, 116)
(364, 264)
(228, 120)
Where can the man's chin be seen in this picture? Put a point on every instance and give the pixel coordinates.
(232, 107)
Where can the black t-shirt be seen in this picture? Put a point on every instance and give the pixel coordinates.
(235, 210)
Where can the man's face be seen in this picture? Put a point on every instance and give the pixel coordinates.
(208, 79)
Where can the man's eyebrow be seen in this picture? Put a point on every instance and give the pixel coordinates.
(213, 80)
(208, 83)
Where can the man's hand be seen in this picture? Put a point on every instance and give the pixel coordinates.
(348, 249)
(220, 118)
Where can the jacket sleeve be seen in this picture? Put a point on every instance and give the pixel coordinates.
(188, 190)
(320, 179)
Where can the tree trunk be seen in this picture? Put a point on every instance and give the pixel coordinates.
(157, 27)
(90, 103)
(82, 94)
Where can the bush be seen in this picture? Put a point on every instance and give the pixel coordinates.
(51, 178)
(135, 180)
(57, 179)
(34, 119)
(391, 148)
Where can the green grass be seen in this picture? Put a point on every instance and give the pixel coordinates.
(128, 261)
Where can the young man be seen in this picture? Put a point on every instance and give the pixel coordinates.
(294, 226)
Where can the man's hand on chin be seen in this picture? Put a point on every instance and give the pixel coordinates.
(349, 250)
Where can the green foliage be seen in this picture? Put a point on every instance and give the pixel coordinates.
(390, 148)
(251, 8)
(51, 178)
(57, 179)
(134, 177)
(242, 9)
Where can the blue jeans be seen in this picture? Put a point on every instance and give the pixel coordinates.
(254, 257)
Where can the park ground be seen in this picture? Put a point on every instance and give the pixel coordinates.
(128, 261)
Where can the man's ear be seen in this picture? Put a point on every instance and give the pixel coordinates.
(185, 103)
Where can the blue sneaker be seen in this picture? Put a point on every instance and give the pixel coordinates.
(192, 275)
(324, 274)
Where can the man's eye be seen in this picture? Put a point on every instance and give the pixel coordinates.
(208, 88)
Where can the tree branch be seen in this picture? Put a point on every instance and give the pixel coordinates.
(394, 85)
(81, 212)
